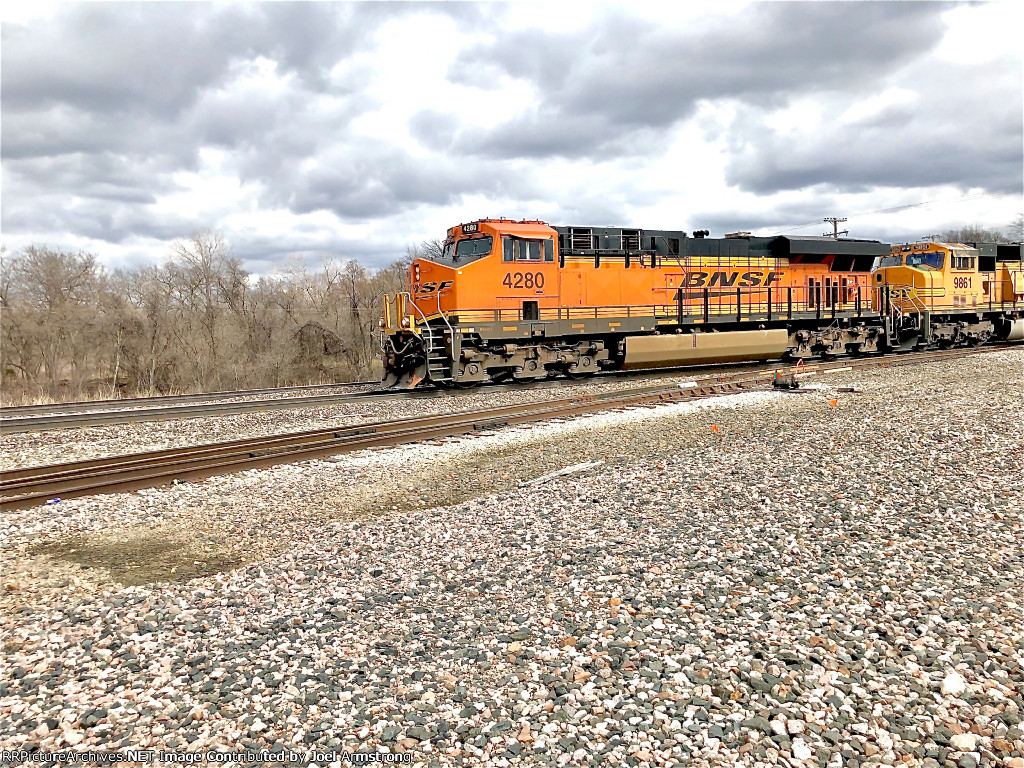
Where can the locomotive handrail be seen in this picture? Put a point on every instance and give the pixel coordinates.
(910, 294)
(443, 316)
(412, 325)
(785, 304)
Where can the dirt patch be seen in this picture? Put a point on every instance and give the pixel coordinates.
(232, 531)
(141, 557)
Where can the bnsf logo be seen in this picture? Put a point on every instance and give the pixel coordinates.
(425, 289)
(729, 279)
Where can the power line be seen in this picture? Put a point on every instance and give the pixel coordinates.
(921, 204)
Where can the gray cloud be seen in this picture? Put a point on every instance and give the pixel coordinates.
(113, 99)
(965, 130)
(624, 75)
(107, 104)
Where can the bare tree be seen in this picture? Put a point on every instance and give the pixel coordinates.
(973, 233)
(1017, 229)
(427, 249)
(206, 284)
(51, 310)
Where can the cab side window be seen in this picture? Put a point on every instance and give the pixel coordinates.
(529, 250)
(519, 249)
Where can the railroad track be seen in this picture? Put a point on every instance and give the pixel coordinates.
(106, 412)
(96, 413)
(97, 417)
(85, 406)
(41, 418)
(31, 486)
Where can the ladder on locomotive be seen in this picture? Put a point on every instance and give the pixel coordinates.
(898, 294)
(435, 351)
(438, 367)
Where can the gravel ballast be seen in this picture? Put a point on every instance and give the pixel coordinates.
(24, 449)
(797, 579)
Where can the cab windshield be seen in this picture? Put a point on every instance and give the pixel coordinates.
(468, 250)
(928, 260)
(891, 261)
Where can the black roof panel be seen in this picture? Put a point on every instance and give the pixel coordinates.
(784, 246)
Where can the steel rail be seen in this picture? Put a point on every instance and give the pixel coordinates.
(10, 426)
(13, 477)
(31, 486)
(206, 405)
(96, 417)
(41, 423)
(36, 485)
(125, 403)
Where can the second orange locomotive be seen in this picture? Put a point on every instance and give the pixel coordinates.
(523, 300)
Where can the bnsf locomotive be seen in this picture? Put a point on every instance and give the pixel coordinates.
(521, 300)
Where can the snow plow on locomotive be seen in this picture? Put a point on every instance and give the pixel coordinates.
(521, 301)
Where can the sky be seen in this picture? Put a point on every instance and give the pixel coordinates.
(352, 130)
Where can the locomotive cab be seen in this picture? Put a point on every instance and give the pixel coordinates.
(935, 276)
(501, 265)
(489, 271)
(950, 293)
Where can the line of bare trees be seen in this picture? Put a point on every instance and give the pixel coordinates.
(197, 322)
(972, 233)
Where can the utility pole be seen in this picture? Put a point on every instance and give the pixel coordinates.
(933, 238)
(835, 227)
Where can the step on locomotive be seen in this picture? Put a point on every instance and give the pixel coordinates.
(522, 301)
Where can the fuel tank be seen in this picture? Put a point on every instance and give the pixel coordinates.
(1016, 332)
(696, 348)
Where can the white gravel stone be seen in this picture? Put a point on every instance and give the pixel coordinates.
(965, 742)
(801, 751)
(953, 684)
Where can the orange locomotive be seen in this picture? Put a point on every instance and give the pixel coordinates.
(523, 300)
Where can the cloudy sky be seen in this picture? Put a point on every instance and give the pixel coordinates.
(354, 129)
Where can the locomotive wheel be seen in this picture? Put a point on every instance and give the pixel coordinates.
(576, 376)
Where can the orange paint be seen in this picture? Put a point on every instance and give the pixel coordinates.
(505, 266)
